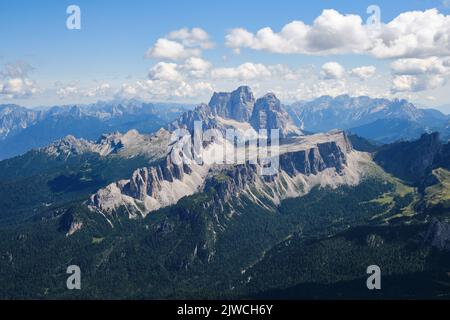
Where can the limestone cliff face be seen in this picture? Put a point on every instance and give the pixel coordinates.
(324, 159)
(148, 181)
(295, 171)
(150, 188)
(317, 158)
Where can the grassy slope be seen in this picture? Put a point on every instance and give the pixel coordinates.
(439, 193)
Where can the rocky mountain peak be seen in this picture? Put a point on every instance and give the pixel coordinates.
(201, 113)
(219, 103)
(242, 102)
(239, 106)
(269, 101)
(236, 105)
(67, 146)
(269, 113)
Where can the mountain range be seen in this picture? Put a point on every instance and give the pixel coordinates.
(142, 224)
(381, 120)
(23, 129)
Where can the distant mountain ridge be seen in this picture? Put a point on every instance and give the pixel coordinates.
(14, 118)
(383, 120)
(129, 144)
(23, 129)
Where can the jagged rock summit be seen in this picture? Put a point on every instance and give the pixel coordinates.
(239, 109)
(269, 114)
(237, 105)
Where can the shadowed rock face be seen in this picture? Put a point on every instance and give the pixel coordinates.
(237, 105)
(269, 113)
(314, 160)
(412, 161)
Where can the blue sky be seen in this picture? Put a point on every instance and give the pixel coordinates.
(110, 56)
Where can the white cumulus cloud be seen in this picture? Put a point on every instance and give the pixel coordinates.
(171, 50)
(18, 88)
(245, 71)
(364, 72)
(16, 83)
(165, 71)
(332, 70)
(416, 34)
(196, 37)
(414, 66)
(330, 33)
(67, 91)
(414, 74)
(197, 67)
(180, 45)
(102, 90)
(410, 83)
